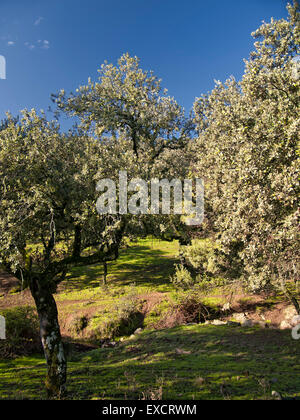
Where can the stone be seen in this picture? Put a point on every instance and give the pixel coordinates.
(276, 395)
(110, 344)
(295, 321)
(226, 307)
(218, 322)
(285, 325)
(290, 312)
(240, 317)
(200, 381)
(138, 331)
(181, 351)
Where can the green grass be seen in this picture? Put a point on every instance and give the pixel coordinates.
(217, 362)
(141, 269)
(147, 263)
(188, 362)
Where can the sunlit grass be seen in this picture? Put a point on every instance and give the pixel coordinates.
(217, 363)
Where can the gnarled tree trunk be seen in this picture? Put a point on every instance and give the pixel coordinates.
(51, 337)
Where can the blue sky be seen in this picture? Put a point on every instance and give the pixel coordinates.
(50, 45)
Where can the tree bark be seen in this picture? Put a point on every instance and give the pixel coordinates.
(50, 337)
(104, 272)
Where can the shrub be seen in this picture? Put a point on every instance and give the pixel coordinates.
(198, 265)
(79, 323)
(22, 332)
(189, 308)
(182, 279)
(200, 256)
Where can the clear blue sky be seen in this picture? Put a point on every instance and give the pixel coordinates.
(50, 45)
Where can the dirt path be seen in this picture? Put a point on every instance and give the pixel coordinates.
(7, 284)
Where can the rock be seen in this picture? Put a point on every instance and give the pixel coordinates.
(218, 322)
(285, 325)
(200, 381)
(138, 331)
(295, 321)
(132, 336)
(180, 351)
(276, 395)
(290, 312)
(110, 344)
(226, 307)
(240, 317)
(247, 323)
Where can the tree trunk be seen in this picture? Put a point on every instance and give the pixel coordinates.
(104, 272)
(50, 337)
(296, 304)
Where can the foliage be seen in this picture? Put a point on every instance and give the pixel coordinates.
(182, 278)
(22, 332)
(48, 198)
(200, 256)
(248, 154)
(48, 219)
(79, 323)
(139, 129)
(246, 150)
(129, 103)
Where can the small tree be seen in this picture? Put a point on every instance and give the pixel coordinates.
(48, 219)
(129, 102)
(140, 129)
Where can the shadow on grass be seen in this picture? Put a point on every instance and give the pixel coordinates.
(200, 362)
(189, 362)
(138, 264)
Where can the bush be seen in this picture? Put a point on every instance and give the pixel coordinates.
(182, 278)
(22, 333)
(200, 256)
(188, 309)
(78, 324)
